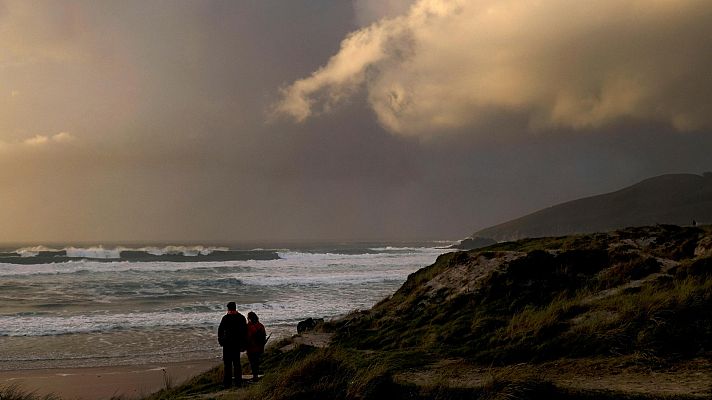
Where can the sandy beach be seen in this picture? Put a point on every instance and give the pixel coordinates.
(130, 382)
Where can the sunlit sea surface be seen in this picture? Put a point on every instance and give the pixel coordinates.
(75, 307)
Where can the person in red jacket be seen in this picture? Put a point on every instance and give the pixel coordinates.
(256, 339)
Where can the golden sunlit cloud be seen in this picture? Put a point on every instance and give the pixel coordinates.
(63, 137)
(454, 64)
(39, 140)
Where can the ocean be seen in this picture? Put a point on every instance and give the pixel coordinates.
(105, 306)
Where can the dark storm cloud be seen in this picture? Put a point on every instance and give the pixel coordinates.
(151, 121)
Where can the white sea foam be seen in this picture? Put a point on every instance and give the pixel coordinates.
(76, 304)
(56, 325)
(83, 266)
(333, 279)
(395, 248)
(94, 252)
(187, 251)
(369, 258)
(272, 314)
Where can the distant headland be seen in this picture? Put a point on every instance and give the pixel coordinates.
(677, 199)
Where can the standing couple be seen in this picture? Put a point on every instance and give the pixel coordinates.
(236, 335)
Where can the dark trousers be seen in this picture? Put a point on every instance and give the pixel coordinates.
(231, 360)
(254, 363)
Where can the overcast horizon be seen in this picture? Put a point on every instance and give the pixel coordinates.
(302, 121)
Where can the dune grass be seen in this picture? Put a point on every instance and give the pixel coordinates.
(337, 374)
(15, 392)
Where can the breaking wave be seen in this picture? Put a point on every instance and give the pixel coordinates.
(60, 306)
(33, 251)
(44, 255)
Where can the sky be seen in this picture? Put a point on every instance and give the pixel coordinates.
(319, 120)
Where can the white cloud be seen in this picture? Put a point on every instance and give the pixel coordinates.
(37, 140)
(63, 137)
(40, 140)
(454, 64)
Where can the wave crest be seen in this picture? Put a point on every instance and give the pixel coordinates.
(33, 251)
(43, 254)
(100, 252)
(188, 251)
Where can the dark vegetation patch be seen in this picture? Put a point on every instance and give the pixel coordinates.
(322, 374)
(625, 267)
(338, 373)
(701, 268)
(207, 382)
(551, 302)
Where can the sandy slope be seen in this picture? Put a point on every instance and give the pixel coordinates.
(105, 382)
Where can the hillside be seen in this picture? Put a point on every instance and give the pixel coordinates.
(620, 315)
(667, 199)
(624, 292)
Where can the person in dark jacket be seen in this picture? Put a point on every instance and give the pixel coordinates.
(256, 339)
(232, 336)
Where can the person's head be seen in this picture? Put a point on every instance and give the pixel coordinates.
(252, 317)
(231, 306)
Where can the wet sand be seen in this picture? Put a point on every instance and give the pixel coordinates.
(130, 382)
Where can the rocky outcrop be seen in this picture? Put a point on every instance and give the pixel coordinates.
(472, 243)
(704, 247)
(309, 324)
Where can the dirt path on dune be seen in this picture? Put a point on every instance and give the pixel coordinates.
(693, 378)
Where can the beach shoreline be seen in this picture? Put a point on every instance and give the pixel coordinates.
(89, 383)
